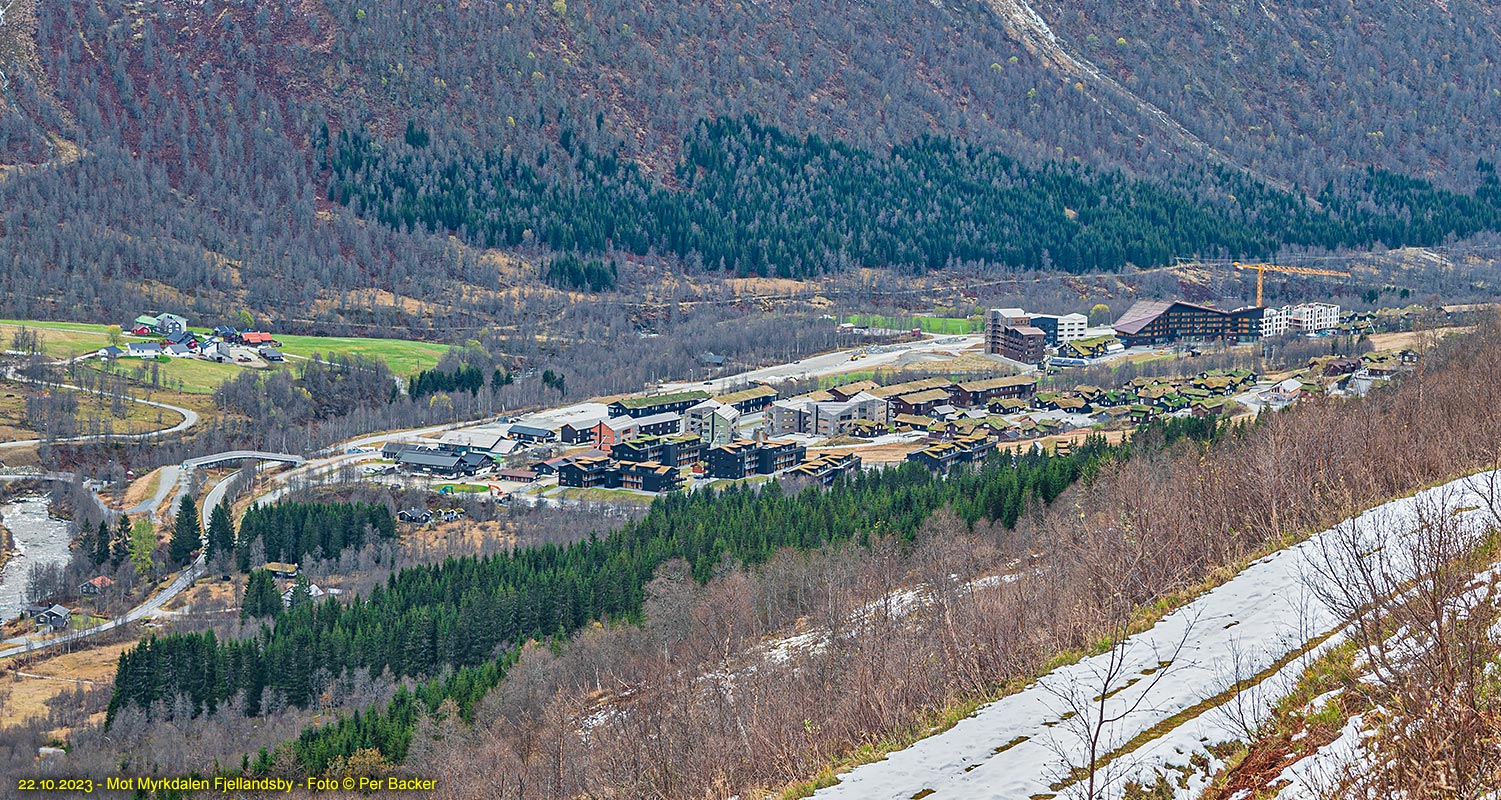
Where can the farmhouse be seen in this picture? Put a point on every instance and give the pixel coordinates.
(169, 324)
(314, 591)
(53, 618)
(96, 585)
(143, 349)
(216, 351)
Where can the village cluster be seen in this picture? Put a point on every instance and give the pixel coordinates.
(1067, 341)
(167, 335)
(663, 442)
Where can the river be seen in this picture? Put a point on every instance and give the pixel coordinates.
(39, 537)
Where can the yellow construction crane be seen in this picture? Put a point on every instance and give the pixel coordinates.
(1263, 269)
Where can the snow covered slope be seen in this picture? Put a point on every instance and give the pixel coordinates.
(1262, 622)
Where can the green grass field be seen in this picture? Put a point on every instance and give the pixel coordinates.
(460, 488)
(194, 376)
(943, 326)
(403, 357)
(69, 339)
(61, 339)
(853, 376)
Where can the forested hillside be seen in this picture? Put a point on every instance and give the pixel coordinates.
(184, 154)
(459, 615)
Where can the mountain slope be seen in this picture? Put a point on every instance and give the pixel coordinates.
(215, 123)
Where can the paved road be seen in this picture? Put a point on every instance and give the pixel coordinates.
(179, 583)
(189, 418)
(165, 483)
(184, 579)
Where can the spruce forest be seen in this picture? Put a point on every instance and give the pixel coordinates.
(465, 617)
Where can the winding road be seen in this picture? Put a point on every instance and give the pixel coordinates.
(189, 417)
(180, 582)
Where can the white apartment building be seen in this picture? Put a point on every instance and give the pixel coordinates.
(1313, 317)
(1274, 321)
(1071, 327)
(1304, 318)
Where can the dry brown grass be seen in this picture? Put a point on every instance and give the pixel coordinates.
(1414, 340)
(28, 695)
(470, 535)
(142, 488)
(893, 453)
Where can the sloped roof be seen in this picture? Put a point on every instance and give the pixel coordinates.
(747, 394)
(926, 396)
(909, 387)
(428, 458)
(1140, 314)
(998, 383)
(661, 399)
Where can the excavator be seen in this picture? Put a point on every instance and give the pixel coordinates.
(1263, 269)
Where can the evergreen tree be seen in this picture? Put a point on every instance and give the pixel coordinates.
(187, 534)
(302, 593)
(120, 549)
(221, 532)
(101, 544)
(261, 597)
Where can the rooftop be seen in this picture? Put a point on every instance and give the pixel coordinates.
(910, 387)
(998, 383)
(1140, 314)
(648, 401)
(927, 396)
(750, 393)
